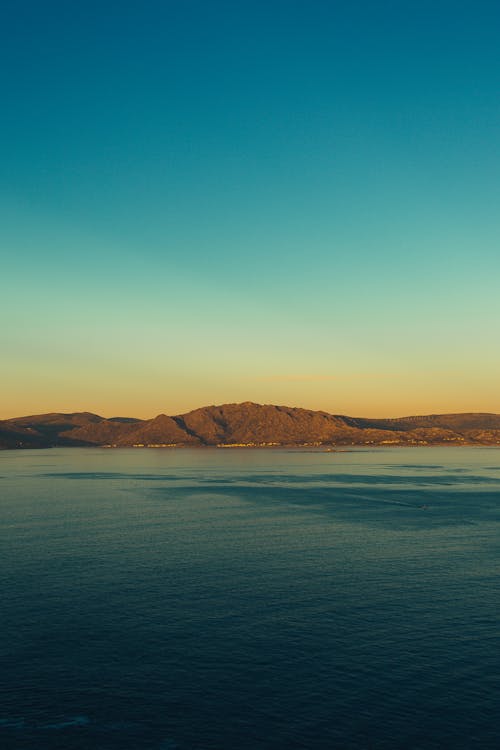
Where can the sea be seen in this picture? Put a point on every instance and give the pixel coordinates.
(239, 599)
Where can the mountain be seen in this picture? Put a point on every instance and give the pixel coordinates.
(13, 435)
(247, 424)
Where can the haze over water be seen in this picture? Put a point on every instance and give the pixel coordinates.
(213, 599)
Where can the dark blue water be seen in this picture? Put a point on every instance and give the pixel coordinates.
(183, 600)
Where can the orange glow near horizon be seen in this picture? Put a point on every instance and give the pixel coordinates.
(377, 396)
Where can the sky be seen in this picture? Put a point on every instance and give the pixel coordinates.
(282, 201)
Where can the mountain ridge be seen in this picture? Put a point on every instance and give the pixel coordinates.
(247, 424)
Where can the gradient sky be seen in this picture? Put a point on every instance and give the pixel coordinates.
(278, 201)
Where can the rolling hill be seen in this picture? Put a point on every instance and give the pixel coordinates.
(247, 424)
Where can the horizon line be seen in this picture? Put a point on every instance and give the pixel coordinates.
(247, 402)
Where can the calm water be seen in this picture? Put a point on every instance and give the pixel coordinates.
(213, 599)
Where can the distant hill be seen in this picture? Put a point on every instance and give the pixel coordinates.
(247, 424)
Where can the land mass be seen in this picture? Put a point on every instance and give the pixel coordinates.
(246, 425)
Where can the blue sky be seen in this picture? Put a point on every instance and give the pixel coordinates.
(286, 202)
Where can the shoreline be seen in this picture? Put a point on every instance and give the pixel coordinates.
(349, 448)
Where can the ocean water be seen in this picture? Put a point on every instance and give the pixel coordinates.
(213, 599)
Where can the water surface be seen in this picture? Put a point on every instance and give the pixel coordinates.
(213, 599)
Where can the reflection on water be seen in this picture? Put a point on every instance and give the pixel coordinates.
(198, 599)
